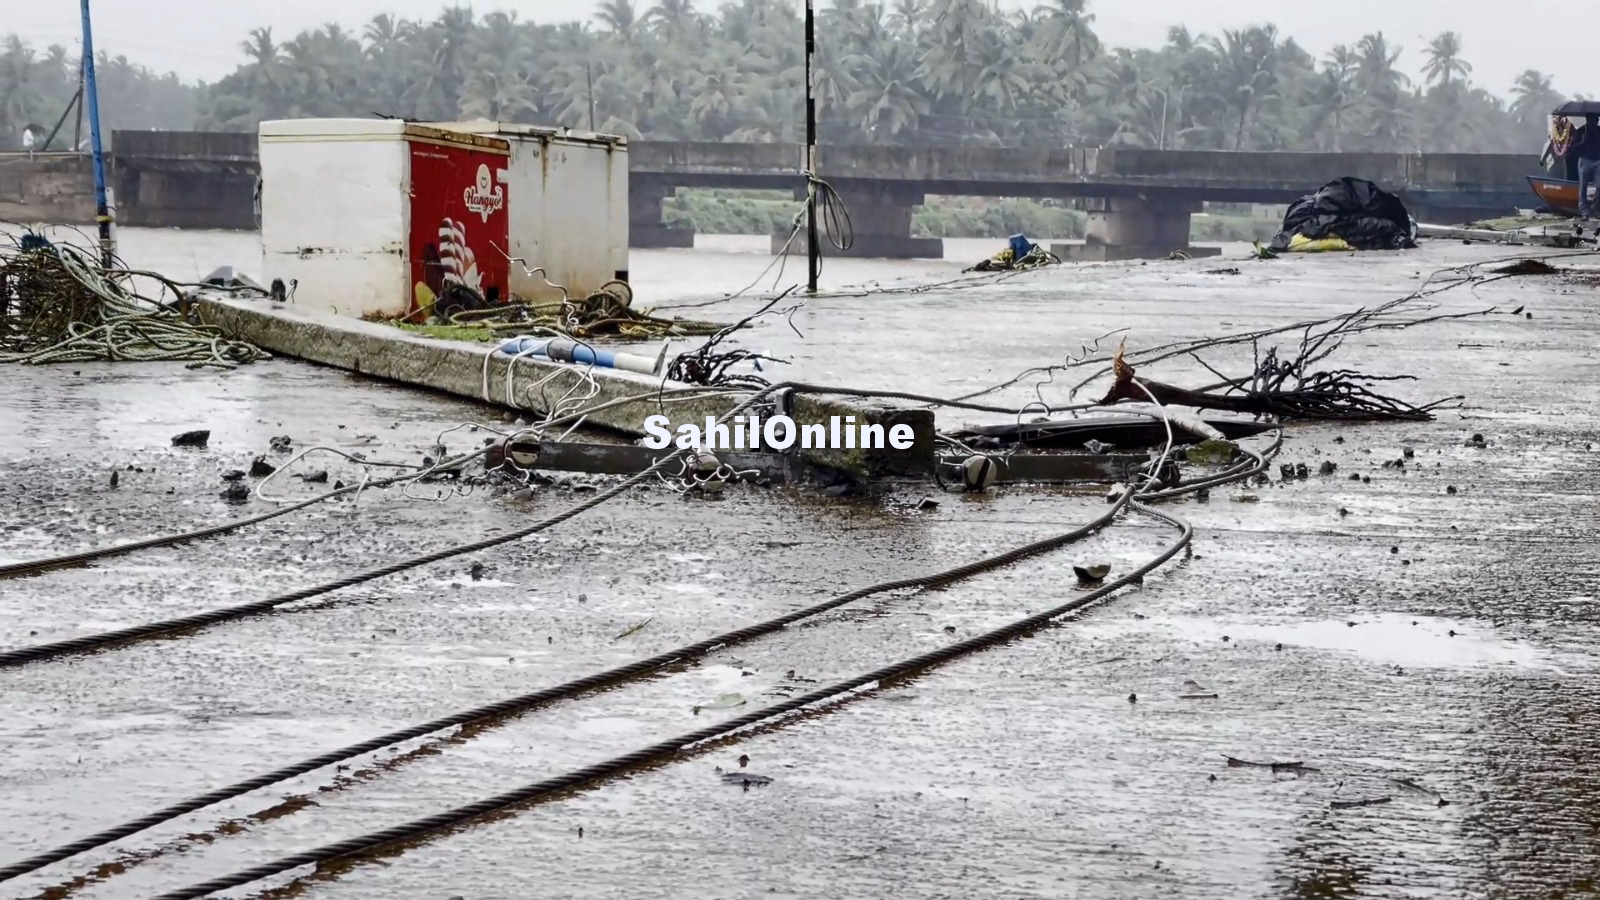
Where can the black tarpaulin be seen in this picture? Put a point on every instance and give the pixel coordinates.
(1359, 212)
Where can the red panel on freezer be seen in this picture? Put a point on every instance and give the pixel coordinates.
(459, 224)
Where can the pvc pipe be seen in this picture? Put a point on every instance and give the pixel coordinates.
(569, 351)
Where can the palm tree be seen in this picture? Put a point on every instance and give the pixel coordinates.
(1533, 97)
(675, 21)
(888, 71)
(1248, 59)
(619, 16)
(1069, 29)
(1335, 94)
(1444, 63)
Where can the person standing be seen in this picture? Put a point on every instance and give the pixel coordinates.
(1586, 147)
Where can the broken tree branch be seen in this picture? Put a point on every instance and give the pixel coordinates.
(1341, 394)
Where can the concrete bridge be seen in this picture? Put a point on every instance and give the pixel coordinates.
(1148, 194)
(206, 180)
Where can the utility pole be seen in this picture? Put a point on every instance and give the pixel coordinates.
(813, 261)
(102, 211)
(77, 128)
(588, 76)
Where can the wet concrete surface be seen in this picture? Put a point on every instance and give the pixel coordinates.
(1434, 646)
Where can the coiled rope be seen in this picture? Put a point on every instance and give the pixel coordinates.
(66, 308)
(1257, 463)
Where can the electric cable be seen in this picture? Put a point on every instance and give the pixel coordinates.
(675, 747)
(39, 652)
(612, 677)
(35, 566)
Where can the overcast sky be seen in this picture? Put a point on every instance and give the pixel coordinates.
(200, 38)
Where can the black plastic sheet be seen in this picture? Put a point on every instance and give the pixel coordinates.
(1364, 215)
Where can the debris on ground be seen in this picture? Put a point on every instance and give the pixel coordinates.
(1020, 254)
(1091, 574)
(1282, 388)
(1528, 267)
(197, 438)
(1346, 214)
(1356, 804)
(1236, 763)
(630, 632)
(606, 313)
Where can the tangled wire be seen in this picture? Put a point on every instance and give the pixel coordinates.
(604, 313)
(708, 366)
(59, 304)
(1278, 384)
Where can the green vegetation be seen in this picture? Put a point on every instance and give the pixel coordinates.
(897, 72)
(36, 87)
(475, 333)
(765, 212)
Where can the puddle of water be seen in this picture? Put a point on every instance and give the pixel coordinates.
(481, 583)
(1388, 638)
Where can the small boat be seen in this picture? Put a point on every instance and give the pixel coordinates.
(1559, 195)
(1558, 187)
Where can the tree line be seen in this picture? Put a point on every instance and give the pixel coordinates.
(916, 72)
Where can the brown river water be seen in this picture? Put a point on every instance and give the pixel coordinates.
(1424, 646)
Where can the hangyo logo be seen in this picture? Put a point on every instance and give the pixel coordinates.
(485, 197)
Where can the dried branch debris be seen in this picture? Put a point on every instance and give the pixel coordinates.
(1284, 389)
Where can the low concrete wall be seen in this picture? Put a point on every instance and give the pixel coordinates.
(185, 179)
(213, 145)
(175, 194)
(1305, 171)
(458, 368)
(56, 188)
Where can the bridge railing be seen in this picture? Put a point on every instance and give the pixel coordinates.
(228, 145)
(1278, 171)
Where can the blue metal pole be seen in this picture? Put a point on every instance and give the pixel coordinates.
(102, 212)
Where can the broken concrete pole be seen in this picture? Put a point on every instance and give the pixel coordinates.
(458, 367)
(820, 408)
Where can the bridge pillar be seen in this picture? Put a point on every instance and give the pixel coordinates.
(1137, 228)
(880, 222)
(645, 228)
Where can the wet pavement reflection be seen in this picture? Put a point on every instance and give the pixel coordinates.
(1427, 656)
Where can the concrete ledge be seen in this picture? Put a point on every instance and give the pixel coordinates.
(1109, 253)
(867, 246)
(458, 368)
